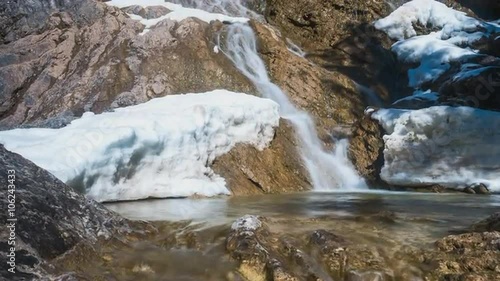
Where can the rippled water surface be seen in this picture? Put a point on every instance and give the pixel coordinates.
(193, 231)
(440, 212)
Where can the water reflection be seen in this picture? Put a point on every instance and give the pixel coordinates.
(444, 210)
(383, 224)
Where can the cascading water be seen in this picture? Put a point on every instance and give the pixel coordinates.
(328, 170)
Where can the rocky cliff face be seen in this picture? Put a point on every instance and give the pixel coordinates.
(338, 36)
(70, 58)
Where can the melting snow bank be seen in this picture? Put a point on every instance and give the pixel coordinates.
(399, 24)
(178, 12)
(452, 146)
(457, 33)
(162, 148)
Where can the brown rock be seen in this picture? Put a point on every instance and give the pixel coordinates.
(331, 98)
(321, 22)
(265, 254)
(470, 256)
(491, 223)
(366, 149)
(150, 12)
(277, 169)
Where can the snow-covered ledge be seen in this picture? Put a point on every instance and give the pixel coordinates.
(162, 148)
(452, 146)
(178, 12)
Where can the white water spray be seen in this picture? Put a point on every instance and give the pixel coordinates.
(328, 171)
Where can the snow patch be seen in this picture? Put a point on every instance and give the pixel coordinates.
(399, 24)
(178, 12)
(433, 54)
(441, 145)
(436, 50)
(162, 148)
(420, 95)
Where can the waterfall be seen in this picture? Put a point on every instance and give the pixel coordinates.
(328, 170)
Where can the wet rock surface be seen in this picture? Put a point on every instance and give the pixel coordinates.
(88, 242)
(331, 98)
(265, 253)
(348, 65)
(470, 256)
(277, 169)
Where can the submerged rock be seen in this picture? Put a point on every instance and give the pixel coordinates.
(264, 254)
(266, 249)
